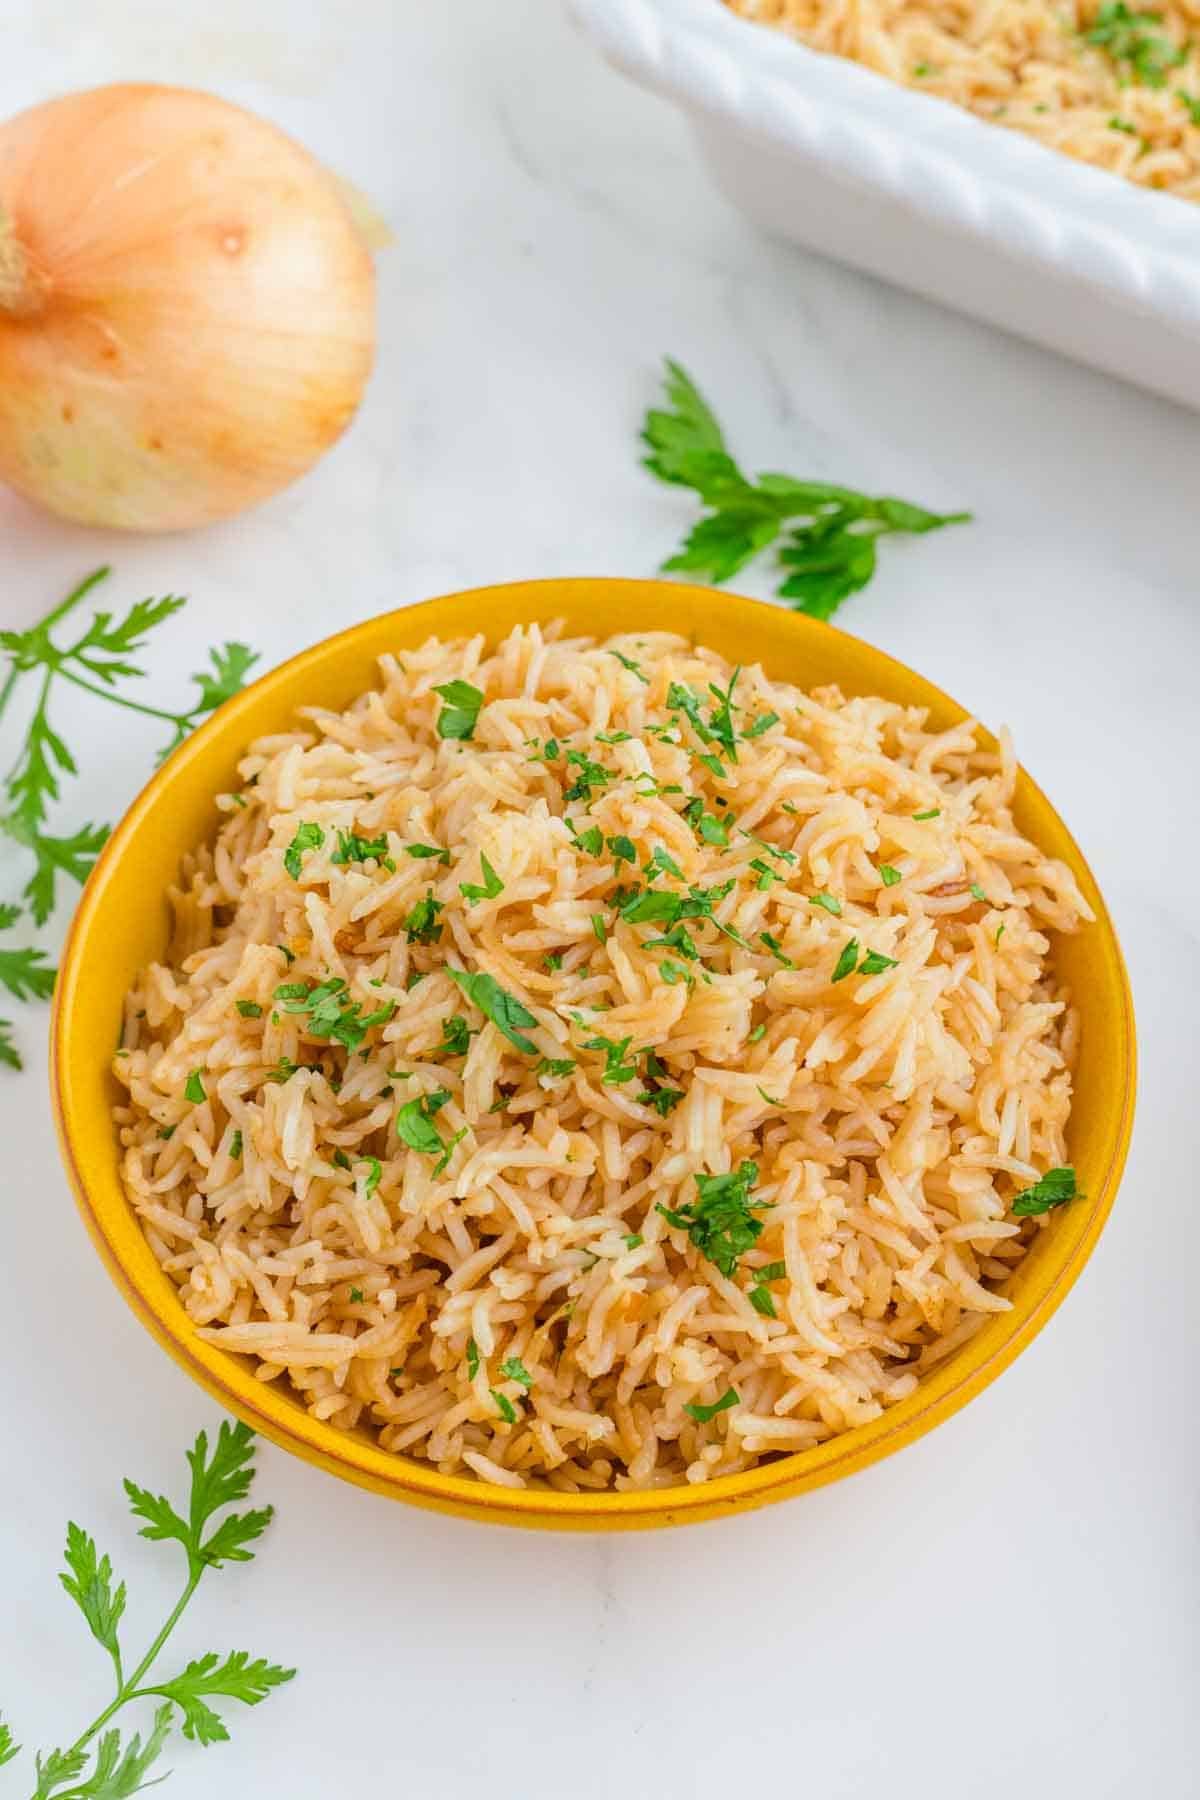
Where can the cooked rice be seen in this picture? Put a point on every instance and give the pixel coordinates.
(1028, 65)
(892, 1117)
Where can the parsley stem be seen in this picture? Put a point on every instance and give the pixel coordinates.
(129, 1690)
(150, 712)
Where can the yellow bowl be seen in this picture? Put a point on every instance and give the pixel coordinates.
(117, 930)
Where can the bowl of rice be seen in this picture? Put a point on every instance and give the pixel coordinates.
(605, 1055)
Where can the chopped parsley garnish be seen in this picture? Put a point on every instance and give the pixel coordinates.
(496, 1004)
(1055, 1188)
(767, 876)
(513, 1369)
(492, 884)
(472, 1359)
(713, 764)
(760, 1031)
(1125, 125)
(424, 851)
(287, 955)
(774, 1271)
(374, 1174)
(633, 1240)
(763, 723)
(875, 962)
(721, 1222)
(847, 962)
(421, 926)
(459, 715)
(456, 1037)
(999, 933)
(664, 1100)
(554, 961)
(167, 1132)
(653, 906)
(616, 1069)
(830, 902)
(356, 1296)
(590, 841)
(249, 1009)
(888, 875)
(627, 662)
(284, 1069)
(415, 1127)
(590, 775)
(193, 1088)
(504, 1406)
(308, 837)
(672, 973)
(614, 737)
(621, 849)
(331, 1012)
(702, 1414)
(720, 718)
(662, 863)
(977, 893)
(760, 1299)
(935, 812)
(678, 939)
(341, 1160)
(352, 848)
(235, 1146)
(769, 1098)
(559, 1067)
(776, 850)
(776, 949)
(1191, 102)
(1132, 39)
(599, 928)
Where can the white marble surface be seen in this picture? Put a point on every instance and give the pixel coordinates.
(1011, 1605)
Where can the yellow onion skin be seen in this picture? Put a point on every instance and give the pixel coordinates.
(187, 309)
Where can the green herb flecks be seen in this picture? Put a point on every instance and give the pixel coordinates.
(427, 852)
(617, 1069)
(513, 1369)
(832, 532)
(193, 1088)
(329, 1012)
(308, 836)
(421, 926)
(492, 886)
(351, 848)
(721, 1221)
(702, 1414)
(634, 668)
(1135, 43)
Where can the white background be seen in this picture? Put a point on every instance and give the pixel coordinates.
(1011, 1605)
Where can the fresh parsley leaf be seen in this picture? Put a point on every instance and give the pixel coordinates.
(210, 1677)
(459, 716)
(702, 1414)
(664, 1100)
(888, 875)
(309, 836)
(875, 962)
(472, 1359)
(1056, 1188)
(934, 812)
(374, 1174)
(558, 1067)
(10, 1056)
(977, 893)
(8, 1748)
(776, 949)
(235, 1146)
(616, 1069)
(663, 863)
(73, 856)
(26, 974)
(424, 851)
(773, 1271)
(491, 888)
(504, 1406)
(590, 775)
(356, 1296)
(249, 1009)
(621, 849)
(599, 928)
(415, 1127)
(1135, 43)
(193, 1088)
(633, 1240)
(760, 1299)
(502, 1008)
(830, 548)
(752, 1037)
(88, 1580)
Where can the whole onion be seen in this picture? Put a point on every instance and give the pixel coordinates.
(187, 308)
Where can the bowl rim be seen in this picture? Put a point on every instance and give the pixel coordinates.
(353, 1456)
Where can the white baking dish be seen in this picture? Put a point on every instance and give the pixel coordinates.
(827, 153)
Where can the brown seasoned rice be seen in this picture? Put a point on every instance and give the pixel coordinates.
(526, 1312)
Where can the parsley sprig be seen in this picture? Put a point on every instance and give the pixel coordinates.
(119, 1764)
(97, 660)
(1136, 44)
(831, 533)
